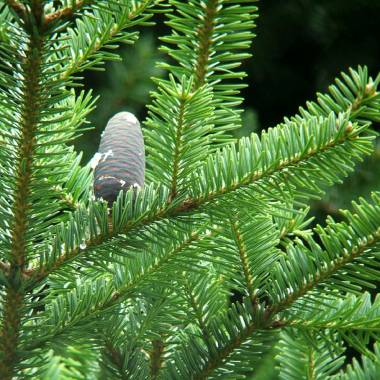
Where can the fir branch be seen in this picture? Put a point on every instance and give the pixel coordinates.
(156, 268)
(251, 178)
(308, 357)
(110, 298)
(86, 51)
(360, 244)
(206, 36)
(210, 39)
(226, 350)
(240, 330)
(134, 346)
(356, 94)
(325, 274)
(254, 176)
(360, 315)
(14, 300)
(197, 310)
(196, 225)
(33, 127)
(75, 361)
(218, 352)
(75, 191)
(39, 274)
(186, 117)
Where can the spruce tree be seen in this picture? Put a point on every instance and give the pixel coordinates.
(212, 270)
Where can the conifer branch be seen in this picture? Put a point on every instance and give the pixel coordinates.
(197, 309)
(206, 36)
(222, 354)
(345, 258)
(356, 100)
(103, 41)
(227, 349)
(192, 204)
(267, 324)
(14, 299)
(150, 281)
(117, 296)
(361, 315)
(179, 122)
(156, 268)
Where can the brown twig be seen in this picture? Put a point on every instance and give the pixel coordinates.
(18, 8)
(65, 13)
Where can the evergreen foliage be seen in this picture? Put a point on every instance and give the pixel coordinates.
(214, 264)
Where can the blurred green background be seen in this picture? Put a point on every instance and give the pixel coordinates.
(301, 46)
